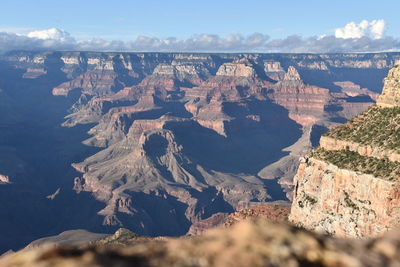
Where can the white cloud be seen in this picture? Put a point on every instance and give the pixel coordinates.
(202, 42)
(378, 28)
(50, 34)
(37, 40)
(374, 29)
(331, 44)
(363, 37)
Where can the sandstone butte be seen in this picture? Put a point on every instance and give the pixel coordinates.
(349, 186)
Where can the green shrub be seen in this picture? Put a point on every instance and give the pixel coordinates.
(349, 202)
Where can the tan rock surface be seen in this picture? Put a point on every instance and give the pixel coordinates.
(390, 96)
(360, 198)
(244, 244)
(237, 69)
(343, 202)
(274, 212)
(365, 150)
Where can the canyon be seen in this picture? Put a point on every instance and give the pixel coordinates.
(158, 142)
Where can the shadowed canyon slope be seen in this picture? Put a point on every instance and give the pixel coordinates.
(155, 142)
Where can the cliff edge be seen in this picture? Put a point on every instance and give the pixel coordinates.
(349, 185)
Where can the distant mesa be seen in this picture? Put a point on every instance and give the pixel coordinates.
(238, 68)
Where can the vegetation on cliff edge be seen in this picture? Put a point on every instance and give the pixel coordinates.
(377, 127)
(346, 159)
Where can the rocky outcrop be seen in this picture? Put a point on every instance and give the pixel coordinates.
(274, 212)
(349, 185)
(305, 103)
(390, 96)
(89, 83)
(115, 124)
(274, 70)
(292, 75)
(183, 71)
(342, 202)
(240, 68)
(216, 125)
(244, 244)
(33, 73)
(121, 237)
(354, 90)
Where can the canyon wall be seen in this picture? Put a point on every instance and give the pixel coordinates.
(349, 186)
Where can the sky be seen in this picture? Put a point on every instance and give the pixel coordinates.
(201, 26)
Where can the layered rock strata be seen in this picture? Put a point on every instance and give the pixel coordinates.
(349, 185)
(151, 154)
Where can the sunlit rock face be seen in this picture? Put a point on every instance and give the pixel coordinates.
(349, 185)
(390, 96)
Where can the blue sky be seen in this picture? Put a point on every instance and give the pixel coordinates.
(126, 20)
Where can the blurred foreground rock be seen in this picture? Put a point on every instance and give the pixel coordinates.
(246, 243)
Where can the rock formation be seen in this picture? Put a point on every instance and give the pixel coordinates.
(349, 185)
(390, 96)
(305, 103)
(240, 68)
(274, 212)
(221, 103)
(274, 70)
